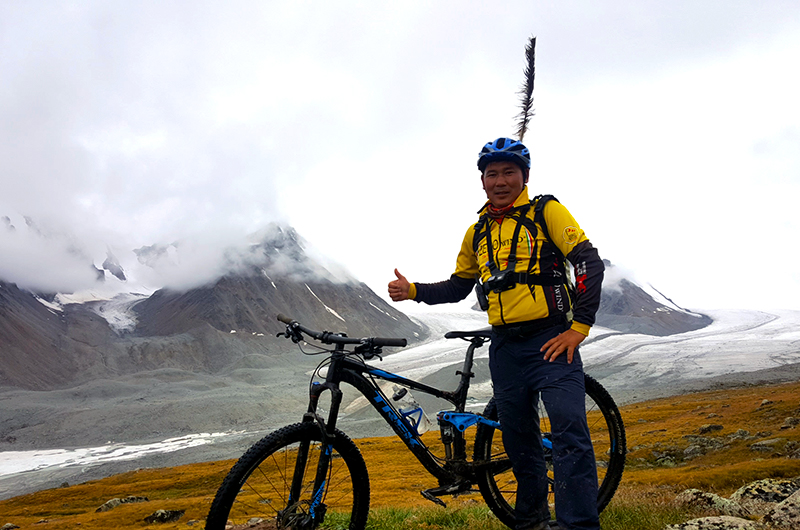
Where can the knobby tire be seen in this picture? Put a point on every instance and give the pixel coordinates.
(497, 483)
(255, 492)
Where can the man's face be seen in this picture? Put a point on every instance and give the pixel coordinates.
(503, 182)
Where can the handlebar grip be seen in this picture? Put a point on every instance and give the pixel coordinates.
(283, 318)
(401, 343)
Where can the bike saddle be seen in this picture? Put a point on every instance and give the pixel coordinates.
(483, 333)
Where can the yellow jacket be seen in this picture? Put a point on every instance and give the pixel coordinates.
(535, 256)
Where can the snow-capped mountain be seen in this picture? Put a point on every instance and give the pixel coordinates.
(629, 307)
(55, 341)
(68, 339)
(274, 275)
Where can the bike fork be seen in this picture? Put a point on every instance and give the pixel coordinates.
(299, 474)
(317, 507)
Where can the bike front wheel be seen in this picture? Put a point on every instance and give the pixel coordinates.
(258, 491)
(496, 481)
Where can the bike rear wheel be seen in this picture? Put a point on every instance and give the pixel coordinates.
(256, 492)
(497, 482)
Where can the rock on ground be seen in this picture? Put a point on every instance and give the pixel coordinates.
(701, 499)
(164, 516)
(723, 522)
(766, 490)
(113, 503)
(786, 514)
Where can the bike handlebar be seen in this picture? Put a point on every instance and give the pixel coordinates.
(327, 337)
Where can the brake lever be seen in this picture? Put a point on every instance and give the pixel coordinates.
(291, 333)
(372, 355)
(368, 351)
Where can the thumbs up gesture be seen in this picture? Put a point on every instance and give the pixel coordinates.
(398, 289)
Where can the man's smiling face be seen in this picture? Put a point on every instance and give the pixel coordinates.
(503, 182)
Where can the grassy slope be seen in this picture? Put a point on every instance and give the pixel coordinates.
(643, 500)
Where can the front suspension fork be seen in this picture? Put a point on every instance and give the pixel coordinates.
(328, 431)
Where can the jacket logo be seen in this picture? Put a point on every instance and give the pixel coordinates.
(497, 245)
(570, 235)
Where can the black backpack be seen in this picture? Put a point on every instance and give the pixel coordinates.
(504, 280)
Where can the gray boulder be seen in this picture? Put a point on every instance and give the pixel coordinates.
(722, 522)
(766, 490)
(768, 446)
(711, 501)
(790, 423)
(164, 516)
(785, 514)
(741, 434)
(113, 503)
(710, 427)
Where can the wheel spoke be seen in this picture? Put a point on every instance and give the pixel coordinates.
(266, 473)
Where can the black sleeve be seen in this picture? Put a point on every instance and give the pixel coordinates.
(589, 271)
(453, 290)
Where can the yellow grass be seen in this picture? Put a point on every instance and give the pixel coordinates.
(663, 424)
(396, 478)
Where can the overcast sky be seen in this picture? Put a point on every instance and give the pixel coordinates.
(671, 130)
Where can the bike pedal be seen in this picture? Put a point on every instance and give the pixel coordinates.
(433, 498)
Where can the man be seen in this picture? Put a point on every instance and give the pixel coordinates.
(516, 252)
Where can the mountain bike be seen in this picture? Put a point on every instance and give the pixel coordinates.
(300, 474)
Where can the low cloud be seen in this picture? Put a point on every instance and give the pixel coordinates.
(41, 260)
(45, 262)
(614, 274)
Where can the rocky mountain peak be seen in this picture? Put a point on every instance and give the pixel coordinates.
(111, 264)
(628, 307)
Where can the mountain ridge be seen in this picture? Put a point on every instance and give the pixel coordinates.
(71, 343)
(627, 307)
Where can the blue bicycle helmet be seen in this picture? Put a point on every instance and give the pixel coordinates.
(504, 149)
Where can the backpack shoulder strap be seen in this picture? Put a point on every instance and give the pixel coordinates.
(482, 230)
(478, 232)
(539, 202)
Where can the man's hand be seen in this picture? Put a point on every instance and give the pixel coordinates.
(566, 341)
(398, 289)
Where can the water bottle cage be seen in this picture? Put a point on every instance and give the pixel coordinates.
(413, 417)
(411, 412)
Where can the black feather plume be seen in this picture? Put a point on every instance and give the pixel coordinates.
(526, 93)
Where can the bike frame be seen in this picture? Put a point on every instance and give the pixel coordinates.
(362, 376)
